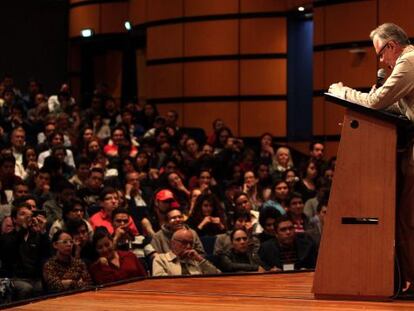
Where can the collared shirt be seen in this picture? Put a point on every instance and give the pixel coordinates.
(397, 93)
(170, 264)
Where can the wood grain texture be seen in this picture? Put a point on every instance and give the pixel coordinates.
(358, 260)
(245, 292)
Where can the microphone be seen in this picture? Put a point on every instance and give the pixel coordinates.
(380, 77)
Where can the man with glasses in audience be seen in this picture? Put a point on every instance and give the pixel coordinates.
(161, 241)
(289, 251)
(182, 259)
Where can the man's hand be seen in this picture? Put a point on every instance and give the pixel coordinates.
(192, 254)
(337, 89)
(39, 224)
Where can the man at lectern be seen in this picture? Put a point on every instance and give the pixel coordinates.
(393, 49)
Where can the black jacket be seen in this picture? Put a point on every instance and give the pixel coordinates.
(306, 253)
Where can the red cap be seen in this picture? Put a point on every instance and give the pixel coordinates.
(164, 195)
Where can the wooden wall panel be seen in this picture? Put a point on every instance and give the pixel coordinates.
(354, 69)
(164, 9)
(348, 22)
(318, 26)
(263, 77)
(203, 114)
(262, 6)
(108, 69)
(318, 70)
(113, 17)
(318, 116)
(399, 12)
(301, 146)
(164, 108)
(165, 41)
(137, 11)
(84, 17)
(214, 78)
(210, 7)
(257, 118)
(165, 81)
(263, 35)
(211, 38)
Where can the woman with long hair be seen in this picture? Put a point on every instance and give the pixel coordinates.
(208, 216)
(113, 265)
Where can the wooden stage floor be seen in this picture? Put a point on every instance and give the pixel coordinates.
(236, 292)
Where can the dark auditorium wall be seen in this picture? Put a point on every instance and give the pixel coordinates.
(34, 41)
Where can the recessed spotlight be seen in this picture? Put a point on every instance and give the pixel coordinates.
(128, 25)
(301, 9)
(87, 32)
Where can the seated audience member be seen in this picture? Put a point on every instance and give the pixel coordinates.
(125, 240)
(54, 206)
(182, 259)
(240, 258)
(282, 161)
(71, 209)
(137, 204)
(295, 211)
(318, 222)
(164, 200)
(62, 271)
(208, 216)
(82, 240)
(82, 173)
(251, 188)
(291, 177)
(243, 203)
(241, 220)
(109, 201)
(112, 265)
(311, 205)
(174, 221)
(7, 176)
(41, 186)
(307, 186)
(267, 219)
(56, 139)
(289, 251)
(278, 197)
(24, 250)
(93, 187)
(177, 187)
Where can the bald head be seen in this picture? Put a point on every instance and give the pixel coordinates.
(182, 240)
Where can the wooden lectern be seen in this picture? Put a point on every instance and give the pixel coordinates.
(356, 255)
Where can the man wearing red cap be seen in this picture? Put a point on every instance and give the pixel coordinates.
(164, 200)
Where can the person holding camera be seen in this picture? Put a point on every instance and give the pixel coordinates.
(124, 239)
(24, 250)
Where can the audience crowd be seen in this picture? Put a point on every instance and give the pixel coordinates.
(109, 192)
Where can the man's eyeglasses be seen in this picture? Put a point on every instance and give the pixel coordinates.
(382, 50)
(184, 242)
